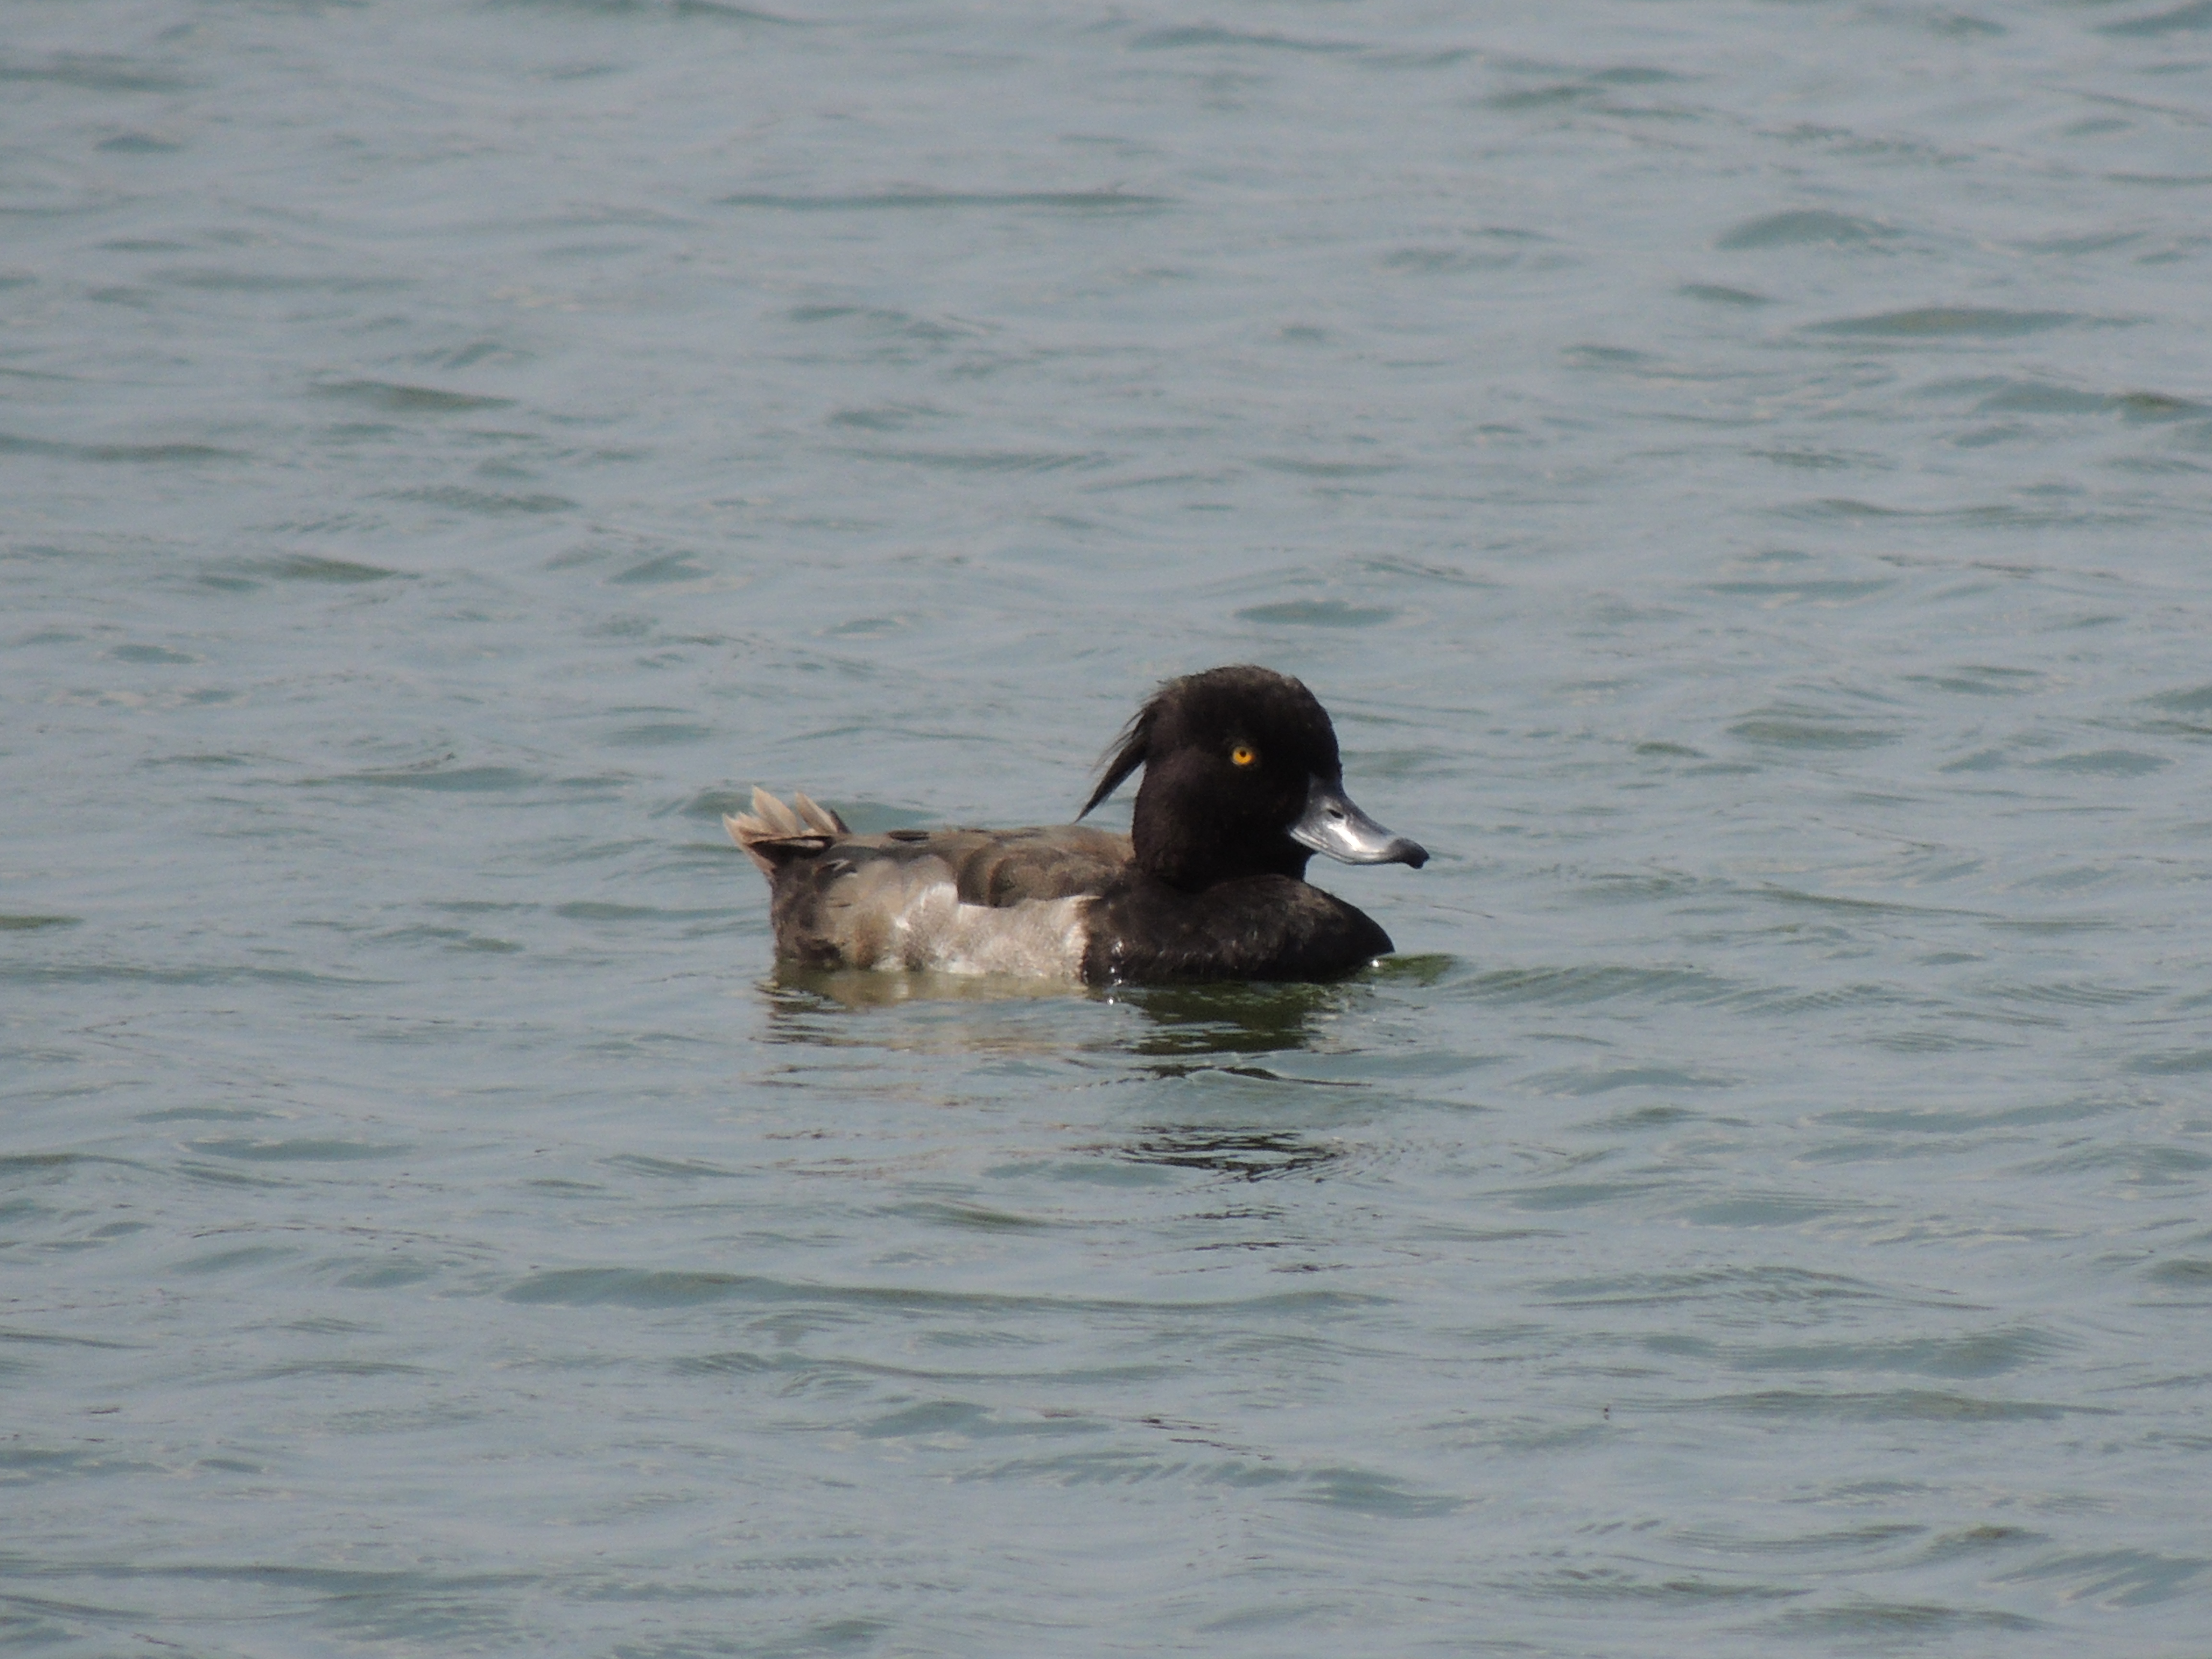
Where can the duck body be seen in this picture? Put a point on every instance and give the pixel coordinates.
(1243, 784)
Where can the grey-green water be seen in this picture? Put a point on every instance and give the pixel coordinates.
(1739, 475)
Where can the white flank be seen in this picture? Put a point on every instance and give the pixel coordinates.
(894, 916)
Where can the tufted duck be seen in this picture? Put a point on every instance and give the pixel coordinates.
(1243, 784)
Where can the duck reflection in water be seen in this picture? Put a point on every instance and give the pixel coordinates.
(1192, 1025)
(1211, 1028)
(1238, 1154)
(1185, 1031)
(1187, 1028)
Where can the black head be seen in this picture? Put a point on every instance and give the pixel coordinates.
(1242, 778)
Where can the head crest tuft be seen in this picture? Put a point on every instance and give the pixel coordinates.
(1129, 752)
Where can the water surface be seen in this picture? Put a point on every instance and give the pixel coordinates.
(1738, 472)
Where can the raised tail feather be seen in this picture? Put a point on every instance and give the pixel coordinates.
(773, 834)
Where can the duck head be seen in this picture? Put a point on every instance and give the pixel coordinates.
(1242, 778)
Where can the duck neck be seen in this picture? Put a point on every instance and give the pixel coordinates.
(1188, 846)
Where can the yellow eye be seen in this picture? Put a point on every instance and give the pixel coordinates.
(1243, 755)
